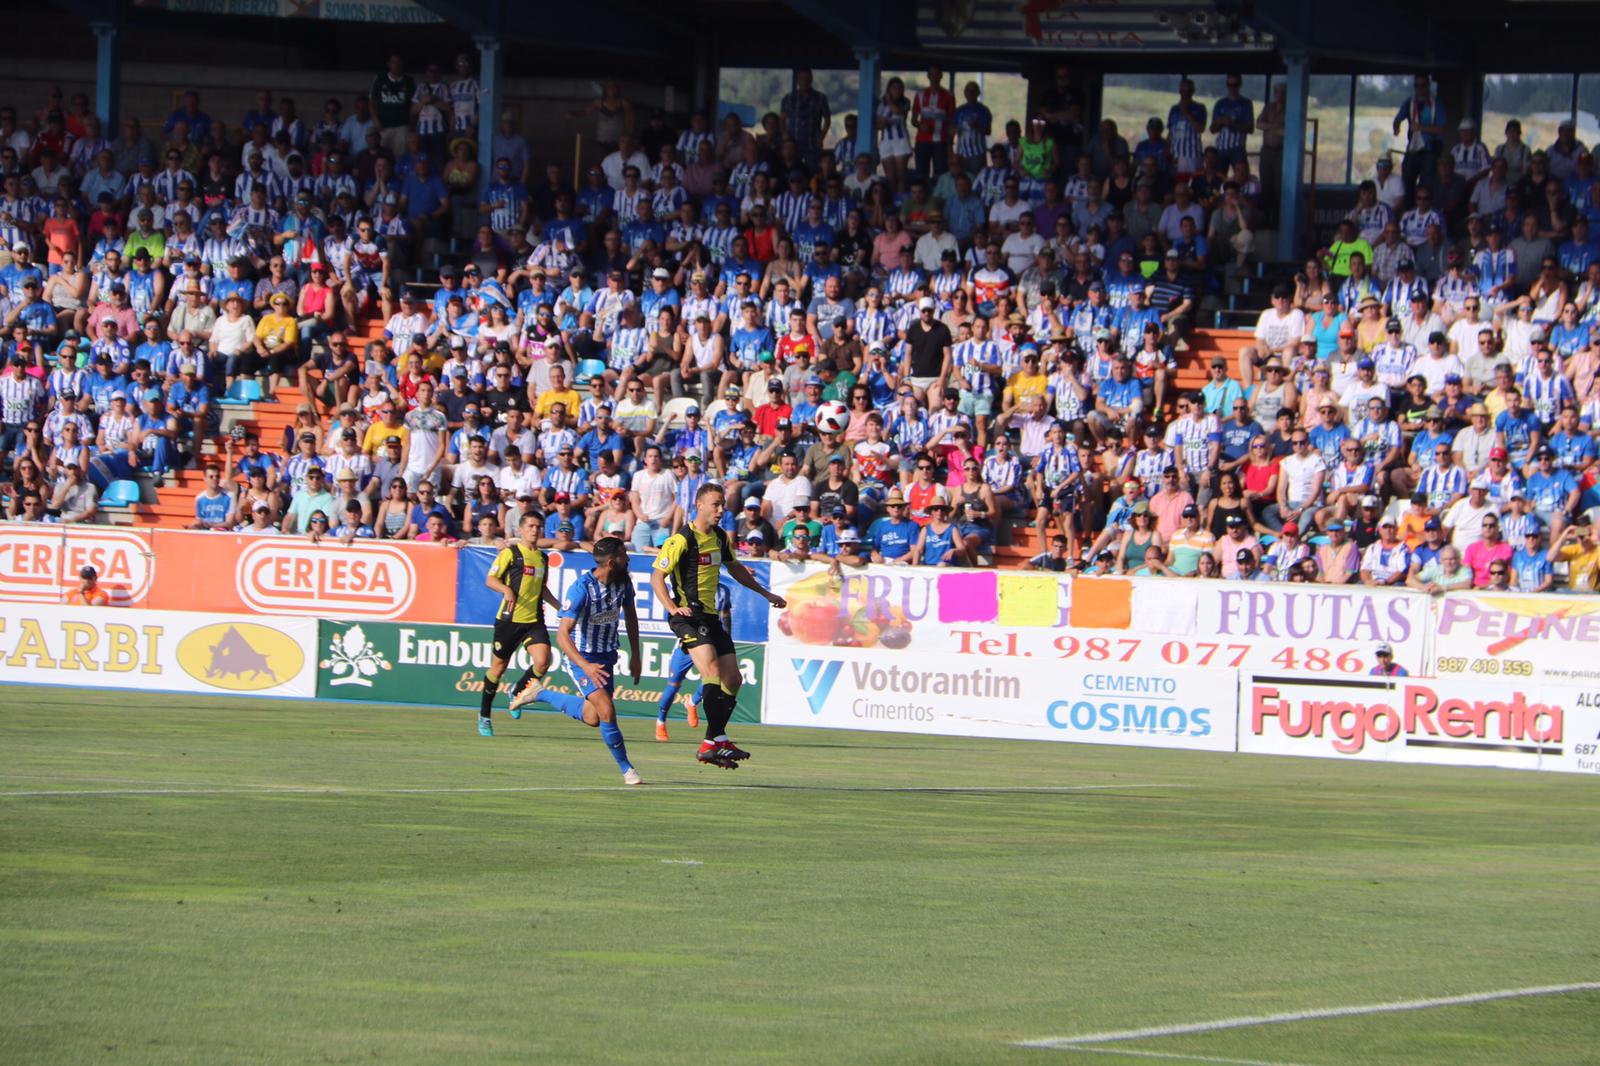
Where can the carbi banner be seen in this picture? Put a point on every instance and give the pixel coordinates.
(1135, 622)
(934, 693)
(1545, 638)
(476, 605)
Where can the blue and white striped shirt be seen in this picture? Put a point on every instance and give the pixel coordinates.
(597, 611)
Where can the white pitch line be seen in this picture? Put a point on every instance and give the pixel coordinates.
(338, 790)
(1073, 1042)
(1187, 1058)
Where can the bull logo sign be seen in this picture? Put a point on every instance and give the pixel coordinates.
(240, 657)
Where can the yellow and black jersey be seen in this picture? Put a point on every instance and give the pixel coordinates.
(693, 564)
(523, 570)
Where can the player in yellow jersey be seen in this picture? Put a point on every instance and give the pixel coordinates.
(685, 576)
(518, 574)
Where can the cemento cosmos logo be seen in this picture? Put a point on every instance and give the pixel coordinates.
(40, 565)
(359, 580)
(240, 656)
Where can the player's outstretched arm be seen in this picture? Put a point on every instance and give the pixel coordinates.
(741, 573)
(630, 621)
(596, 673)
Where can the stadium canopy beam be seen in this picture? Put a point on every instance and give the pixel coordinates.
(868, 63)
(490, 66)
(107, 73)
(1291, 196)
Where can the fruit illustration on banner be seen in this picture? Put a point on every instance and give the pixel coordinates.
(817, 614)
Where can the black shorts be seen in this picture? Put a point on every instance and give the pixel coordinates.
(509, 636)
(697, 629)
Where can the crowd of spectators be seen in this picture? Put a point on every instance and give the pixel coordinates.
(897, 356)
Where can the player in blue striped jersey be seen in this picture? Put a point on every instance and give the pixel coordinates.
(593, 610)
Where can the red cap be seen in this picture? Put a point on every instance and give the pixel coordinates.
(562, 497)
(1290, 527)
(1497, 453)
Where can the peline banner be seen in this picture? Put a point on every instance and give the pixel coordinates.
(1146, 623)
(1484, 635)
(385, 662)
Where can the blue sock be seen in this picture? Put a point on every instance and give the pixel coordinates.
(668, 694)
(569, 705)
(700, 696)
(613, 738)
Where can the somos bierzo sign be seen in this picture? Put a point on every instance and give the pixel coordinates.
(384, 662)
(1450, 721)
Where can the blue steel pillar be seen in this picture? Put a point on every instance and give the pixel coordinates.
(489, 103)
(1291, 197)
(107, 75)
(869, 64)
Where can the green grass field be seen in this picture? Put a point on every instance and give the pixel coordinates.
(860, 898)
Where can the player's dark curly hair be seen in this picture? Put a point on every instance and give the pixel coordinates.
(609, 548)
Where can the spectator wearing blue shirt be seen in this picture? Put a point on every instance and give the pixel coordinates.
(1552, 490)
(1580, 250)
(1531, 568)
(1424, 120)
(563, 515)
(1222, 394)
(213, 507)
(643, 228)
(660, 294)
(1236, 432)
(965, 212)
(506, 201)
(197, 121)
(601, 438)
(189, 403)
(892, 536)
(1575, 448)
(1519, 430)
(1119, 399)
(424, 199)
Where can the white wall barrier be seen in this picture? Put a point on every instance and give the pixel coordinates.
(173, 651)
(1130, 622)
(1445, 721)
(1265, 668)
(1021, 699)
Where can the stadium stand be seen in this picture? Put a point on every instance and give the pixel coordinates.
(1008, 333)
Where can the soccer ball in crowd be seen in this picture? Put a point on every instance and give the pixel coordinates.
(833, 417)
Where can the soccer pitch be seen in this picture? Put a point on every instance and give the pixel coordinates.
(202, 880)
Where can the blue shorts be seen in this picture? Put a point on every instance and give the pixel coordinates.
(678, 669)
(587, 688)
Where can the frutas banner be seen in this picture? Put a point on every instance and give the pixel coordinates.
(384, 662)
(1447, 721)
(1147, 623)
(274, 575)
(174, 651)
(476, 605)
(1545, 638)
(1021, 699)
(40, 563)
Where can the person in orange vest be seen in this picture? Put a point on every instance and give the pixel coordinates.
(89, 593)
